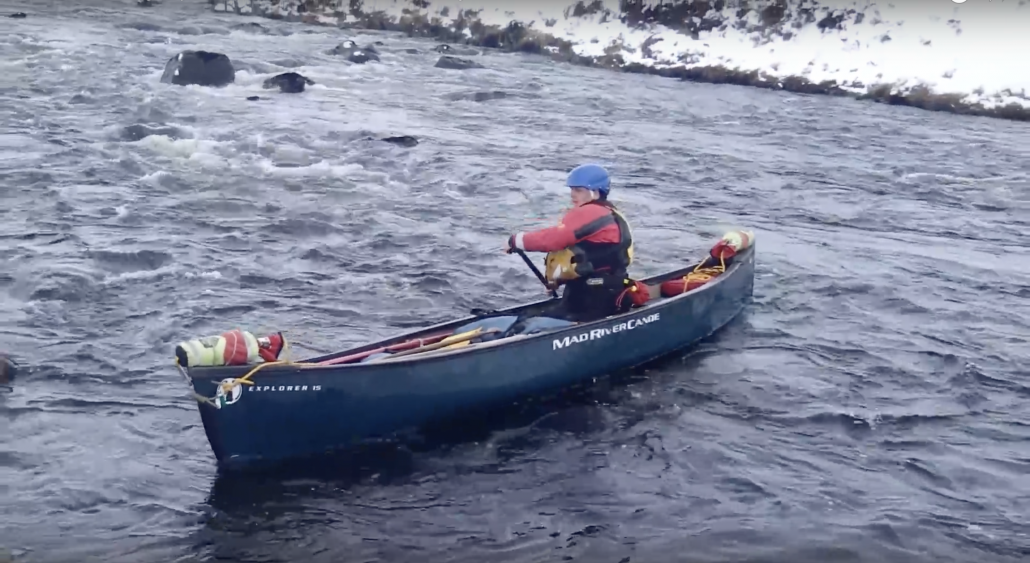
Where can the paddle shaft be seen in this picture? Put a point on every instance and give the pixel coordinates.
(539, 276)
(406, 345)
(456, 339)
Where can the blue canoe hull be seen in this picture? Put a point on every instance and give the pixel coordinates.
(292, 412)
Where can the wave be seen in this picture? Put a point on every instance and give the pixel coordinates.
(954, 56)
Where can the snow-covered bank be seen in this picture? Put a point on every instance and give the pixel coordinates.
(960, 57)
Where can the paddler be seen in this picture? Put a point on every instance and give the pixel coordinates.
(589, 251)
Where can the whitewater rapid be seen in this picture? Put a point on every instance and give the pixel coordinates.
(968, 51)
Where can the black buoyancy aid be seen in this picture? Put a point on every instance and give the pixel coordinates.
(586, 258)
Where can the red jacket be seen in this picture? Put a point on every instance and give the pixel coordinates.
(568, 232)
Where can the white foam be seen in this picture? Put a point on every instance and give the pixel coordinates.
(979, 56)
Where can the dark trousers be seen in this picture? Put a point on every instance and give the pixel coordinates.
(584, 300)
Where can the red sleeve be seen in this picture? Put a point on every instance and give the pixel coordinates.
(563, 235)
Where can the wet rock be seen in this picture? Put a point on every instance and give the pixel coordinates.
(140, 26)
(455, 63)
(355, 54)
(18, 15)
(288, 82)
(8, 370)
(253, 98)
(252, 27)
(202, 68)
(449, 50)
(401, 140)
(146, 3)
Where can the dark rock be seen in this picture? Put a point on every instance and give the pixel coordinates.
(355, 54)
(18, 15)
(454, 63)
(831, 21)
(449, 50)
(253, 98)
(412, 51)
(288, 82)
(402, 140)
(202, 68)
(8, 370)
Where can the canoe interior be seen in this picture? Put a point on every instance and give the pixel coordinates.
(532, 308)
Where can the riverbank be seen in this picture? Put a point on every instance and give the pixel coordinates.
(863, 51)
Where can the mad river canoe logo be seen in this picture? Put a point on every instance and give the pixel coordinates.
(602, 332)
(230, 397)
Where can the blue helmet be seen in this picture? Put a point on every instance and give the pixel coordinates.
(591, 177)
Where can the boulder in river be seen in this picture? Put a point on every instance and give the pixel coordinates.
(18, 15)
(477, 96)
(202, 68)
(288, 82)
(455, 63)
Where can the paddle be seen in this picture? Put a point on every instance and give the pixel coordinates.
(450, 340)
(536, 271)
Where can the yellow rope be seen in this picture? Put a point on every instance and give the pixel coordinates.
(227, 386)
(704, 275)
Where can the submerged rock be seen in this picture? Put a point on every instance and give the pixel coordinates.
(455, 63)
(477, 96)
(141, 131)
(401, 140)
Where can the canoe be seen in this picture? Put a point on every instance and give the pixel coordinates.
(282, 411)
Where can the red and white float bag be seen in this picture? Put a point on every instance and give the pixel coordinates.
(234, 348)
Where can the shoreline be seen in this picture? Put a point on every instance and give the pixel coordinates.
(467, 29)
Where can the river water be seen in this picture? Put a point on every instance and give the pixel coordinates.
(870, 405)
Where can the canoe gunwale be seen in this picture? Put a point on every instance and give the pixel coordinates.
(308, 364)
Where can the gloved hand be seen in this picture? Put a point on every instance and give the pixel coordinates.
(510, 246)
